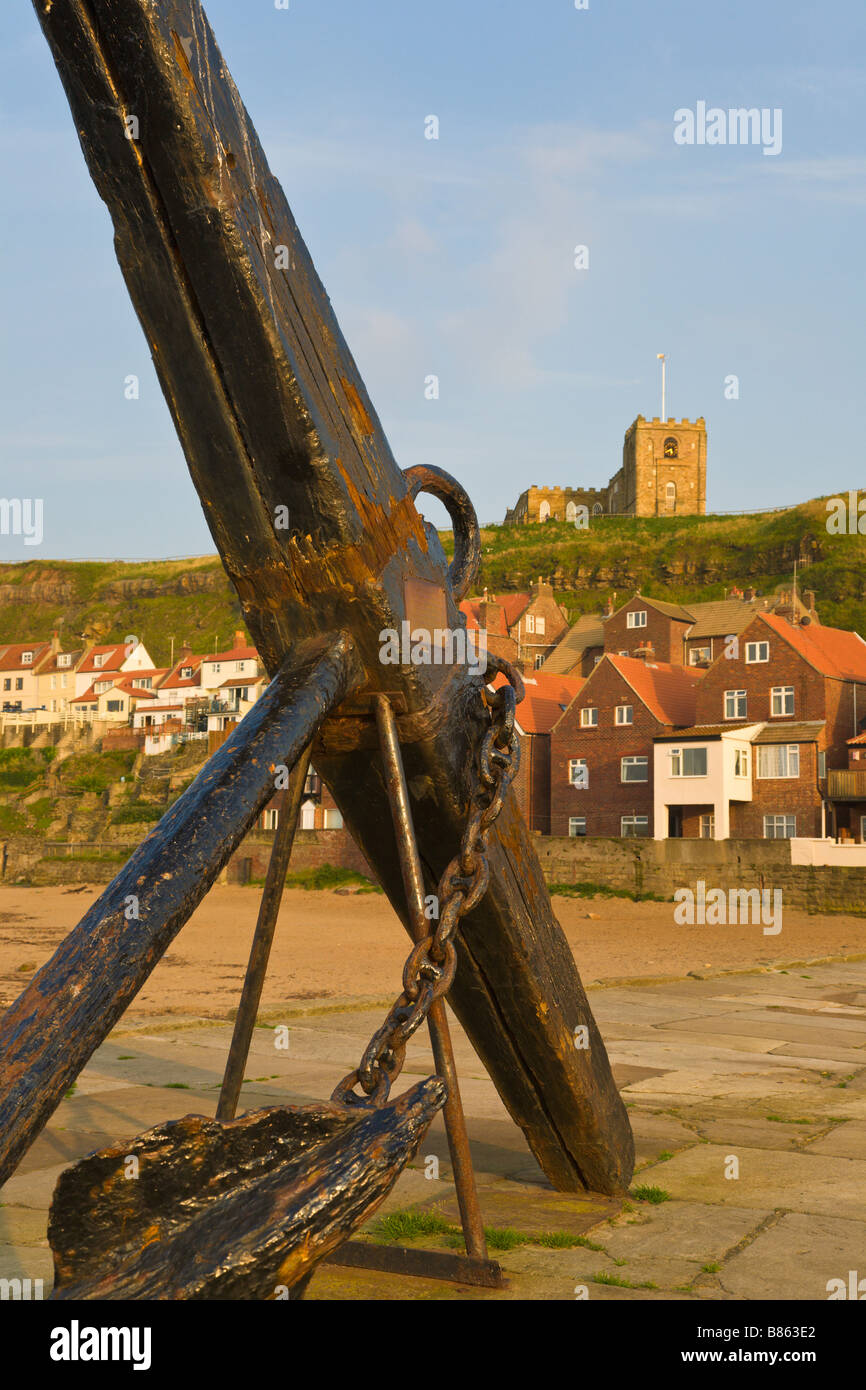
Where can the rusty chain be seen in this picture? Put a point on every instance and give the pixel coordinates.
(430, 965)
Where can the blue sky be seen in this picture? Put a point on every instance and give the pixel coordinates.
(455, 257)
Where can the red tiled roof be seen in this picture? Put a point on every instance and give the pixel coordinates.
(11, 658)
(668, 691)
(116, 653)
(174, 678)
(860, 739)
(148, 671)
(547, 696)
(510, 607)
(831, 650)
(51, 666)
(127, 688)
(236, 654)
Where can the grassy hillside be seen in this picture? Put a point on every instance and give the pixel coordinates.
(685, 558)
(677, 558)
(190, 600)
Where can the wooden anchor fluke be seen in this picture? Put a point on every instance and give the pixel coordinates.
(198, 1209)
(276, 423)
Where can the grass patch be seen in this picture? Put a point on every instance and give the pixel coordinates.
(136, 812)
(21, 767)
(95, 772)
(12, 822)
(711, 1268)
(602, 890)
(784, 1120)
(107, 856)
(564, 1240)
(329, 876)
(617, 1283)
(646, 1193)
(176, 1086)
(398, 1226)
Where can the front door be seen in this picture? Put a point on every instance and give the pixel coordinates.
(675, 822)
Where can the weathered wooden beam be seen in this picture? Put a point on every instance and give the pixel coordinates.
(273, 415)
(196, 1209)
(74, 1001)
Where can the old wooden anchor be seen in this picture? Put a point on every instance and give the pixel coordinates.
(275, 421)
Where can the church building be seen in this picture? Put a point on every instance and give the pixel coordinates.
(664, 473)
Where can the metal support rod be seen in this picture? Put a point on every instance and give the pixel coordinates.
(278, 866)
(440, 1036)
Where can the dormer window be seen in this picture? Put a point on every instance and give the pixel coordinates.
(186, 673)
(64, 659)
(26, 658)
(672, 448)
(98, 660)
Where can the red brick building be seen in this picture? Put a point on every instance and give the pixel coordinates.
(683, 634)
(547, 697)
(523, 628)
(601, 749)
(774, 716)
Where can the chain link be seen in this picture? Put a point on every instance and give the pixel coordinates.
(430, 965)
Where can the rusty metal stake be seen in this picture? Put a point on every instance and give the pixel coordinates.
(440, 1036)
(278, 865)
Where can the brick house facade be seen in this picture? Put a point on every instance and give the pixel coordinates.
(645, 624)
(620, 709)
(797, 691)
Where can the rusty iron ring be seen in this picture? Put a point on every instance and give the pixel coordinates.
(467, 535)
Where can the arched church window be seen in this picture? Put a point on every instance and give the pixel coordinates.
(544, 511)
(570, 511)
(671, 497)
(597, 509)
(672, 448)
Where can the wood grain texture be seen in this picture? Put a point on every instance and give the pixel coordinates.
(271, 411)
(229, 1211)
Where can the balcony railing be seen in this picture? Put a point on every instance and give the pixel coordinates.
(846, 784)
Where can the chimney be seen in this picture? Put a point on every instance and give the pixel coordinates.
(55, 643)
(644, 653)
(749, 595)
(240, 638)
(809, 596)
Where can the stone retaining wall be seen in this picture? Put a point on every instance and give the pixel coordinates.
(662, 866)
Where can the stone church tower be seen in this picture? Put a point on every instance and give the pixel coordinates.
(664, 473)
(664, 469)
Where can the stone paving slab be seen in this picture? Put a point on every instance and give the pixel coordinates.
(795, 1257)
(807, 1182)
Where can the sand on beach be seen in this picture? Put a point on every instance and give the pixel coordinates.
(334, 947)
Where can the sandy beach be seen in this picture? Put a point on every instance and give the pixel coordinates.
(331, 947)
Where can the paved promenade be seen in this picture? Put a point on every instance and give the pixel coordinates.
(747, 1094)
